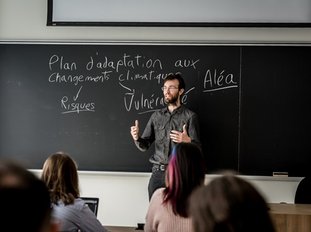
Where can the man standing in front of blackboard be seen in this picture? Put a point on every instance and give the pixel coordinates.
(167, 127)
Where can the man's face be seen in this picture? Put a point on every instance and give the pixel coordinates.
(171, 92)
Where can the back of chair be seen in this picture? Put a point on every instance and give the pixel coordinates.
(92, 203)
(303, 192)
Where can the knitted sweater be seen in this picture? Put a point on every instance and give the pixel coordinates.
(160, 217)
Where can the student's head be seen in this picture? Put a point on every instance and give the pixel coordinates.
(173, 88)
(229, 204)
(185, 172)
(25, 202)
(61, 177)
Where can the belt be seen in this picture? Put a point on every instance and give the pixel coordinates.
(159, 167)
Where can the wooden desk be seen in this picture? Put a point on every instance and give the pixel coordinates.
(286, 217)
(291, 217)
(122, 229)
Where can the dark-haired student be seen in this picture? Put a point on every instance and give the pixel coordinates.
(61, 177)
(24, 200)
(165, 128)
(168, 208)
(229, 204)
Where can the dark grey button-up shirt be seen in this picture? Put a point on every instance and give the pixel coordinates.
(158, 129)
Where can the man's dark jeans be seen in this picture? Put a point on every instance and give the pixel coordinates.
(157, 180)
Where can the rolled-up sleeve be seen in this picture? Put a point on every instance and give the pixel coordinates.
(147, 138)
(194, 129)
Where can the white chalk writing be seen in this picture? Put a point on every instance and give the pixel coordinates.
(100, 69)
(214, 80)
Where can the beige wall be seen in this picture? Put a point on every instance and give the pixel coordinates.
(123, 196)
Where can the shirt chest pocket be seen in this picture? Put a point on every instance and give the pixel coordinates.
(161, 132)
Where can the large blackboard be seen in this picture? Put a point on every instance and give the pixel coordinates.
(252, 102)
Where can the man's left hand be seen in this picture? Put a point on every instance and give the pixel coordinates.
(180, 137)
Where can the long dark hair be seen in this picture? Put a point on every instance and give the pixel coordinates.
(229, 204)
(25, 200)
(185, 172)
(61, 177)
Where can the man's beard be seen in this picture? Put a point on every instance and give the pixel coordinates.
(172, 101)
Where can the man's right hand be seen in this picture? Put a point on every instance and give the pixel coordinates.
(135, 131)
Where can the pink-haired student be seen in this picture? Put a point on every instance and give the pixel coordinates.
(168, 207)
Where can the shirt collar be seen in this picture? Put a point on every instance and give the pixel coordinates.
(165, 110)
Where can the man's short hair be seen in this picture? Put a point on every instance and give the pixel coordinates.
(176, 76)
